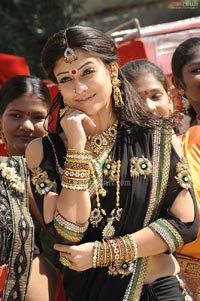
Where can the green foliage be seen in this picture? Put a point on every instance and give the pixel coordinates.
(25, 26)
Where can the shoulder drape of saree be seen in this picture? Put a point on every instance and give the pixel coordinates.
(161, 164)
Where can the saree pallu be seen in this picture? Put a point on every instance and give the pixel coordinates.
(190, 269)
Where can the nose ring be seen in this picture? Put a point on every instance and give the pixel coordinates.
(75, 92)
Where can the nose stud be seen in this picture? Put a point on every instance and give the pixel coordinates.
(75, 92)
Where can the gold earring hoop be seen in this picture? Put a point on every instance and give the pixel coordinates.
(116, 83)
(63, 111)
(69, 55)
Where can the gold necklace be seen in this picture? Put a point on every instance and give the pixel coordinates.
(103, 141)
(98, 212)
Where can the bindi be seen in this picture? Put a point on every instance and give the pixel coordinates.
(73, 71)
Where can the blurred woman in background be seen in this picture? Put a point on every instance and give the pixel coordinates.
(24, 106)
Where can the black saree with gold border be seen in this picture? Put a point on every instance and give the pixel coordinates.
(144, 199)
(17, 230)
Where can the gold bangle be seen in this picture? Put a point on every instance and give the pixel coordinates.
(68, 230)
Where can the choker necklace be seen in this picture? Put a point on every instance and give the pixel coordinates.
(103, 141)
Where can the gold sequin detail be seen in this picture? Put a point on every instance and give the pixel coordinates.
(140, 167)
(183, 177)
(168, 232)
(41, 181)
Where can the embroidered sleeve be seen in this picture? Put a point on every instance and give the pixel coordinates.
(183, 175)
(168, 233)
(140, 167)
(178, 167)
(41, 181)
(45, 177)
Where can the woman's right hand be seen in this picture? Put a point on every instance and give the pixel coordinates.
(72, 124)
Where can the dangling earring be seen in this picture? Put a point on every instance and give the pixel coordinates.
(63, 111)
(116, 83)
(181, 115)
(185, 102)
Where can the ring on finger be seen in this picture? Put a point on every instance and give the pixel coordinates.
(65, 261)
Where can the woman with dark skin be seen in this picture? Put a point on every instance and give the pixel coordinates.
(185, 75)
(24, 105)
(98, 181)
(151, 84)
(186, 78)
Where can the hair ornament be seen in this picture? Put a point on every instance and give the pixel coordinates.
(69, 55)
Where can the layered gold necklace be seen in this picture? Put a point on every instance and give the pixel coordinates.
(101, 145)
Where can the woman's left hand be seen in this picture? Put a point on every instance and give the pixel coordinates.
(80, 257)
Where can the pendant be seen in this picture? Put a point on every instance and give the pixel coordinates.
(95, 217)
(108, 231)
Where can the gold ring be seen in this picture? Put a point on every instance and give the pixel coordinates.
(65, 261)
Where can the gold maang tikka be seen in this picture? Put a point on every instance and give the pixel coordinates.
(69, 55)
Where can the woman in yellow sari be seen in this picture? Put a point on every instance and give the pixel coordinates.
(186, 79)
(189, 254)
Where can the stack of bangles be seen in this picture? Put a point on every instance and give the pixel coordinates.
(72, 233)
(118, 254)
(69, 231)
(76, 173)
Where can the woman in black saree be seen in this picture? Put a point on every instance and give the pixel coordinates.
(112, 186)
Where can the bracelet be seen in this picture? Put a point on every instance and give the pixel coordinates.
(134, 246)
(68, 230)
(118, 254)
(75, 154)
(75, 184)
(76, 172)
(95, 252)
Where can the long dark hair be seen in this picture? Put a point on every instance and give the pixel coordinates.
(100, 45)
(21, 85)
(182, 55)
(137, 68)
